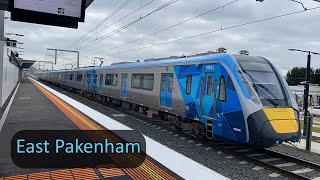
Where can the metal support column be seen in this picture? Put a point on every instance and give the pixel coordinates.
(307, 131)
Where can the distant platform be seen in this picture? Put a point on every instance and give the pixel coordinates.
(38, 107)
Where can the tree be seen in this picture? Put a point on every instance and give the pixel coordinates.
(316, 77)
(296, 75)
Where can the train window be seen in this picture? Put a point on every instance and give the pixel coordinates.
(163, 83)
(188, 84)
(108, 80)
(71, 77)
(209, 86)
(115, 80)
(101, 79)
(111, 79)
(147, 82)
(136, 81)
(79, 77)
(222, 89)
(170, 83)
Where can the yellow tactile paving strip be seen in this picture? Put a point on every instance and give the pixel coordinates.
(107, 171)
(147, 170)
(110, 171)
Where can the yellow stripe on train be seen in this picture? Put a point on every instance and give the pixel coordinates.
(282, 120)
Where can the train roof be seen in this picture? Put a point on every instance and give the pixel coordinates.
(173, 61)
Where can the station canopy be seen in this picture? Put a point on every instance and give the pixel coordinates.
(27, 63)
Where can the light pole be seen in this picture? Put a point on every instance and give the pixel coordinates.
(307, 118)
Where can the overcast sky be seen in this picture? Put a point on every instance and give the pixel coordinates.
(269, 39)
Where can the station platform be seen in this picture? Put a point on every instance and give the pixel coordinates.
(35, 106)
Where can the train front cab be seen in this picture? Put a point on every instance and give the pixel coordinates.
(277, 117)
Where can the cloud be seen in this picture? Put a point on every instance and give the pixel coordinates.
(269, 39)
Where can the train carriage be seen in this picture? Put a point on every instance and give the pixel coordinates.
(238, 97)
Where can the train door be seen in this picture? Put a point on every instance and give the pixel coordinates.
(94, 85)
(208, 103)
(166, 87)
(124, 85)
(101, 83)
(88, 80)
(65, 79)
(208, 109)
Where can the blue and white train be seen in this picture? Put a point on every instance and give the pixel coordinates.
(237, 97)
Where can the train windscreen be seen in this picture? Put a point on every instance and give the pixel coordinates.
(264, 81)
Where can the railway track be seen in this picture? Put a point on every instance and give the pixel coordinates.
(281, 164)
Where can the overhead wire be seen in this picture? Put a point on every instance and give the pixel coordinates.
(167, 28)
(99, 24)
(218, 30)
(128, 25)
(103, 21)
(120, 19)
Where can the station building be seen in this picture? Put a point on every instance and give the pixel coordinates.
(314, 94)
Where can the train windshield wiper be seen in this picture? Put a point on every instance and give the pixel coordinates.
(266, 97)
(255, 86)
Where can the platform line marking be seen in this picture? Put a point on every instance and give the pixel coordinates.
(176, 166)
(300, 171)
(285, 165)
(274, 175)
(6, 111)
